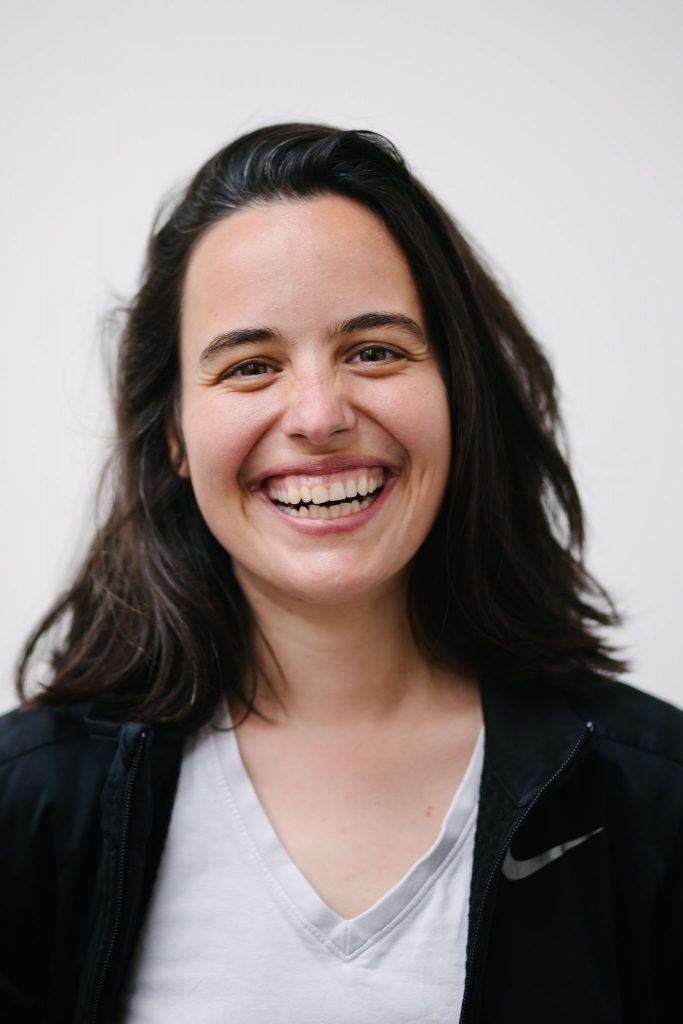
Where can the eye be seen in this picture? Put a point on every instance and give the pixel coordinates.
(252, 368)
(374, 354)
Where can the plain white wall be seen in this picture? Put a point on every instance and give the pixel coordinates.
(550, 130)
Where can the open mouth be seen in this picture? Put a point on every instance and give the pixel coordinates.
(328, 497)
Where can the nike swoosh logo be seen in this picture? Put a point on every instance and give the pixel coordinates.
(515, 870)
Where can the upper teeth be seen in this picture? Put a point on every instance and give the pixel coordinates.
(292, 491)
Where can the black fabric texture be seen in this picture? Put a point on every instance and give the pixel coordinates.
(593, 934)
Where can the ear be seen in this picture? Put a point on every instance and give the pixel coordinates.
(176, 445)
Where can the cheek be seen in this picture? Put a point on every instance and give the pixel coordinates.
(218, 438)
(435, 423)
(423, 425)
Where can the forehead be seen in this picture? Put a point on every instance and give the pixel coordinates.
(299, 262)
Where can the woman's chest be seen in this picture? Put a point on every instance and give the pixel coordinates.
(355, 824)
(234, 929)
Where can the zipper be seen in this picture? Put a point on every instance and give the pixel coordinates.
(120, 879)
(467, 992)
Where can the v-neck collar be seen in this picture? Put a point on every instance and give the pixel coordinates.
(348, 936)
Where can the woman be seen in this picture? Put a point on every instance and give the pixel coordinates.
(343, 546)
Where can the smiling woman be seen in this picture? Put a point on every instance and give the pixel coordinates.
(334, 391)
(332, 730)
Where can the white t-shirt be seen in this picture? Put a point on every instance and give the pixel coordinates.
(235, 934)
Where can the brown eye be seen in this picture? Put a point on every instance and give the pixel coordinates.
(375, 354)
(254, 368)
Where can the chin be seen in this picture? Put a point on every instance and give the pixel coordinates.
(328, 586)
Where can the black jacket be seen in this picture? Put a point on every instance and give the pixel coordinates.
(592, 931)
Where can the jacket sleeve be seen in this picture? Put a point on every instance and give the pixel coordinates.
(50, 850)
(668, 938)
(26, 899)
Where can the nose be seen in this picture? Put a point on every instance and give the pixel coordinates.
(318, 408)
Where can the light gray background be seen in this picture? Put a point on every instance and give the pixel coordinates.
(551, 130)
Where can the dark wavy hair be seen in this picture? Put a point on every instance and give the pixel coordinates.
(155, 626)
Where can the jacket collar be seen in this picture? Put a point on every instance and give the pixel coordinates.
(531, 729)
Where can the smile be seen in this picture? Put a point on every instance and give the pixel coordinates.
(327, 497)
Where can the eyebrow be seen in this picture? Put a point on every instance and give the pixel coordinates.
(240, 336)
(362, 322)
(366, 321)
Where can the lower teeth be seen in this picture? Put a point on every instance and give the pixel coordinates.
(346, 508)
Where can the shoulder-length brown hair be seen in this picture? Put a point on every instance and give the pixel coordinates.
(155, 626)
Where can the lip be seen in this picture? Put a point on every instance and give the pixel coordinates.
(327, 527)
(322, 467)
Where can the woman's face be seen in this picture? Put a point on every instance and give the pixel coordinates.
(315, 423)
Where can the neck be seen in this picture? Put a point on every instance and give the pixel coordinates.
(339, 665)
